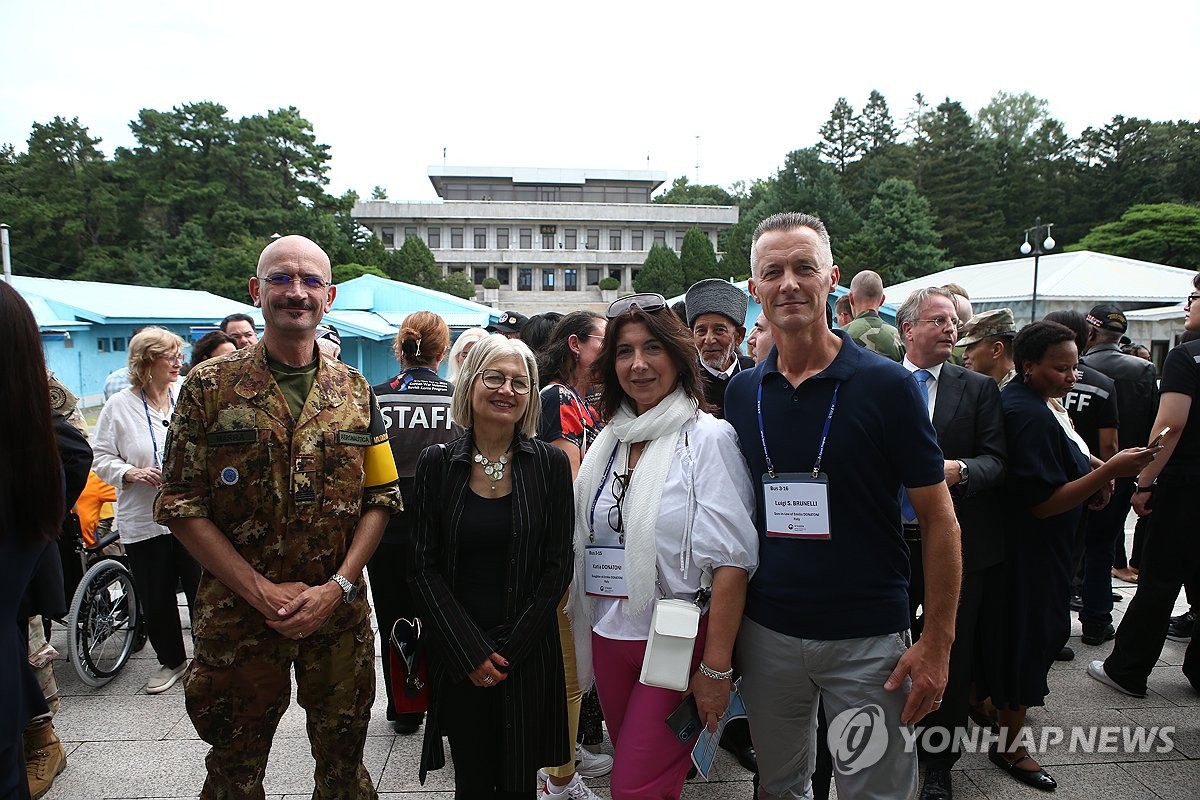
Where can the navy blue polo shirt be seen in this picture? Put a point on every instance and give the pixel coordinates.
(854, 584)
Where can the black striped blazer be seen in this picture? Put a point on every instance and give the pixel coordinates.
(538, 571)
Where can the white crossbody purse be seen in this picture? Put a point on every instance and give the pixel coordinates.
(673, 629)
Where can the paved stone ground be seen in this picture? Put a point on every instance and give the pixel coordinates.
(124, 744)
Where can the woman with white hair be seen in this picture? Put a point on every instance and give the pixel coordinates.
(130, 437)
(491, 559)
(462, 347)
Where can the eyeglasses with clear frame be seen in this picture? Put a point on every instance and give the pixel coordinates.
(281, 281)
(174, 360)
(495, 379)
(941, 322)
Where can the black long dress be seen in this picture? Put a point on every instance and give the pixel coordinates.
(1037, 584)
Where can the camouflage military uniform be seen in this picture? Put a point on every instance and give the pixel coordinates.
(869, 331)
(289, 495)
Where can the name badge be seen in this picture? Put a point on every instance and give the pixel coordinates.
(797, 506)
(604, 571)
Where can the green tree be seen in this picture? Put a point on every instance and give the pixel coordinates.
(414, 263)
(840, 142)
(897, 238)
(876, 130)
(379, 193)
(959, 180)
(805, 183)
(1164, 233)
(697, 258)
(661, 272)
(348, 272)
(684, 193)
(458, 285)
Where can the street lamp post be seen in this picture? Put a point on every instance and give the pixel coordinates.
(1038, 247)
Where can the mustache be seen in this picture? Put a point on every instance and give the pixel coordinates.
(294, 305)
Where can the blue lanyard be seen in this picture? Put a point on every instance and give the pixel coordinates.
(762, 432)
(603, 480)
(150, 425)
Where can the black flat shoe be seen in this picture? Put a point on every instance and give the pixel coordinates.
(1038, 780)
(937, 784)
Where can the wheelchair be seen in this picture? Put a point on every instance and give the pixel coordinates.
(104, 622)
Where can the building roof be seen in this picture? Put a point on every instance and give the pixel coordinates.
(1082, 276)
(61, 303)
(373, 307)
(546, 175)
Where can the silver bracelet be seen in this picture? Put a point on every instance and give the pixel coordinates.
(709, 672)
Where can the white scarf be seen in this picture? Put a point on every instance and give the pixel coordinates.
(659, 427)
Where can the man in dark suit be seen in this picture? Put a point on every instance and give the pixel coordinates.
(966, 413)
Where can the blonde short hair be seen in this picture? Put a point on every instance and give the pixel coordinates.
(145, 347)
(488, 351)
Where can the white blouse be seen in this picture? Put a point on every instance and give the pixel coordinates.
(709, 471)
(124, 439)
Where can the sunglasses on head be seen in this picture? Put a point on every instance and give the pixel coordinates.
(646, 301)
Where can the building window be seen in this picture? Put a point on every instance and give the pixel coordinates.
(593, 238)
(615, 274)
(635, 240)
(118, 344)
(479, 273)
(410, 230)
(547, 241)
(435, 238)
(481, 238)
(614, 240)
(503, 274)
(593, 276)
(571, 280)
(571, 235)
(456, 238)
(502, 238)
(525, 279)
(678, 241)
(457, 270)
(660, 238)
(388, 235)
(526, 238)
(103, 345)
(547, 280)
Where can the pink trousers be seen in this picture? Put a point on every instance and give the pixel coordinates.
(649, 763)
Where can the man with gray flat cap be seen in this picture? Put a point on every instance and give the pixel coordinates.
(716, 311)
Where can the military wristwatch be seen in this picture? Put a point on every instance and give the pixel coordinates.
(349, 590)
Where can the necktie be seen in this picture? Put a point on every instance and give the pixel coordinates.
(907, 513)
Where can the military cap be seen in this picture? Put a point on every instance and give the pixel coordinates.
(1108, 317)
(996, 322)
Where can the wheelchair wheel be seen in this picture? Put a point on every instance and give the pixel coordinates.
(103, 623)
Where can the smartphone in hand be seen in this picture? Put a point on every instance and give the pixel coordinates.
(1158, 439)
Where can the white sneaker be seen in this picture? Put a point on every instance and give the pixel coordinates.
(164, 678)
(575, 790)
(591, 765)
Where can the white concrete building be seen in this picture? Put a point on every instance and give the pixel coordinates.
(547, 235)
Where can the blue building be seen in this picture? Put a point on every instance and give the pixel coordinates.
(86, 326)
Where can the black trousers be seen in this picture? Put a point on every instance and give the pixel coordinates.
(473, 719)
(975, 610)
(159, 565)
(1171, 558)
(391, 598)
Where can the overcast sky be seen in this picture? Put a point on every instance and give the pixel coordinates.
(602, 85)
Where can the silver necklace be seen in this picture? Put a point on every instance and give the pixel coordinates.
(493, 469)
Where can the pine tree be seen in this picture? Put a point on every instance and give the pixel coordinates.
(839, 136)
(661, 273)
